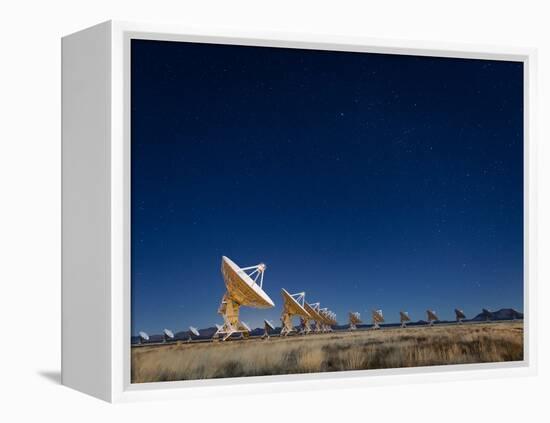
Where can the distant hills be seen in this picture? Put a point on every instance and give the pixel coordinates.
(502, 314)
(207, 333)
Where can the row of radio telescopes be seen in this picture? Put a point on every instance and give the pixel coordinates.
(244, 287)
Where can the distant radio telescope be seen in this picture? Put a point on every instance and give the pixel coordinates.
(329, 319)
(432, 317)
(268, 326)
(377, 318)
(293, 305)
(313, 310)
(193, 331)
(143, 337)
(354, 320)
(460, 316)
(168, 335)
(404, 318)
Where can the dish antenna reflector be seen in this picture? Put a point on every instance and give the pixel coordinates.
(314, 311)
(432, 317)
(333, 318)
(377, 318)
(168, 335)
(244, 288)
(143, 337)
(329, 319)
(325, 319)
(293, 306)
(404, 318)
(193, 331)
(459, 316)
(268, 326)
(354, 320)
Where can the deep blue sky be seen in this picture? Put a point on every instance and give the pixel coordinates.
(366, 180)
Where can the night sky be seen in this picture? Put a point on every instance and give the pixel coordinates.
(366, 180)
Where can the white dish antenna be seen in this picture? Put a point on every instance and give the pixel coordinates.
(244, 288)
(293, 305)
(168, 335)
(268, 326)
(377, 318)
(329, 319)
(404, 318)
(194, 331)
(354, 320)
(313, 310)
(143, 337)
(432, 316)
(460, 316)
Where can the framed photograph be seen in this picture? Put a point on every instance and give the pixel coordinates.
(249, 211)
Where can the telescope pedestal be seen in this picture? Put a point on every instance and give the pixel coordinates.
(286, 320)
(229, 309)
(306, 325)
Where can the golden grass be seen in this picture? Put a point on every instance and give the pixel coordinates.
(388, 348)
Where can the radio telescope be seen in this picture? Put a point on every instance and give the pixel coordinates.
(404, 318)
(329, 319)
(244, 288)
(488, 314)
(192, 331)
(267, 327)
(325, 326)
(354, 320)
(143, 337)
(459, 316)
(293, 306)
(377, 318)
(168, 335)
(313, 310)
(432, 317)
(332, 320)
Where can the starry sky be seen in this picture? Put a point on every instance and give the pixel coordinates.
(366, 180)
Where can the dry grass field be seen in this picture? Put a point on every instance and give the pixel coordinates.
(386, 348)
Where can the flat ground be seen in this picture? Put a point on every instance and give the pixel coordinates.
(337, 351)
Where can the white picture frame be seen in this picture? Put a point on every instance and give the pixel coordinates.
(96, 213)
